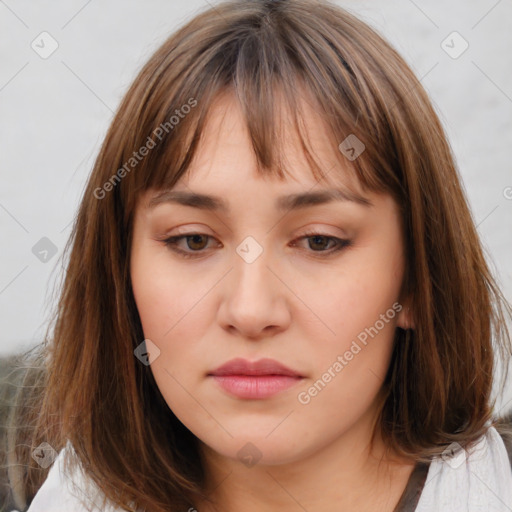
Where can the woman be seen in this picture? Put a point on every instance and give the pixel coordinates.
(276, 297)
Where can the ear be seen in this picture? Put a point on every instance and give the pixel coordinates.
(405, 318)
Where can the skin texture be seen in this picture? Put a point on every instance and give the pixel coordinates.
(294, 303)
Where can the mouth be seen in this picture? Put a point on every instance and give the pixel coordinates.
(255, 380)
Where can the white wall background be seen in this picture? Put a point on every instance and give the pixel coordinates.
(54, 113)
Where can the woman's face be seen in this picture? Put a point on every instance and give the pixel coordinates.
(254, 283)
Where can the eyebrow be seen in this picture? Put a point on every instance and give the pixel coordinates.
(283, 203)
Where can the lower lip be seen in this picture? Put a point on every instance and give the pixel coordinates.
(255, 386)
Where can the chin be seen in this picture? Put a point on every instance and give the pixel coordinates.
(259, 450)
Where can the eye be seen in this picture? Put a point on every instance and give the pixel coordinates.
(321, 241)
(197, 242)
(194, 241)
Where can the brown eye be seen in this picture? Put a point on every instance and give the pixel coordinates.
(319, 242)
(194, 241)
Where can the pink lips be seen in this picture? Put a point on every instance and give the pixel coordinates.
(255, 380)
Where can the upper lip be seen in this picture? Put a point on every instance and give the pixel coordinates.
(264, 366)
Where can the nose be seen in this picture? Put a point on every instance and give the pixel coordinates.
(255, 302)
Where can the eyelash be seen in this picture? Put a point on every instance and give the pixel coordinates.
(172, 242)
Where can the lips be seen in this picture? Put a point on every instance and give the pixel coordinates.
(254, 380)
(257, 368)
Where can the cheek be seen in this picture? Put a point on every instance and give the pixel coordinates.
(172, 316)
(163, 295)
(157, 303)
(359, 309)
(352, 297)
(350, 365)
(174, 312)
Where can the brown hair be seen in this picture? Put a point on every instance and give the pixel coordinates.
(97, 395)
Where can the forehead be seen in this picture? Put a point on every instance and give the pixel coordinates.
(224, 176)
(225, 155)
(227, 125)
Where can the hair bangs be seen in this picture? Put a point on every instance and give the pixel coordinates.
(273, 73)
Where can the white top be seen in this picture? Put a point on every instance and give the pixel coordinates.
(476, 481)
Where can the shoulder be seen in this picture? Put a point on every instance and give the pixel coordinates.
(67, 492)
(480, 478)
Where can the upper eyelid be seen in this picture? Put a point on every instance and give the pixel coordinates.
(308, 233)
(187, 231)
